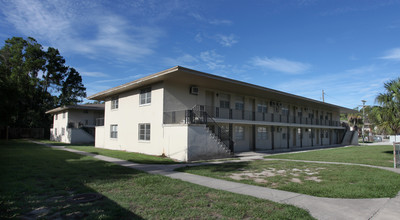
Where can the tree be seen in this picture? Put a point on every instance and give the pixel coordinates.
(387, 114)
(26, 74)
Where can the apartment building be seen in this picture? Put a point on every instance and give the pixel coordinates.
(75, 123)
(189, 115)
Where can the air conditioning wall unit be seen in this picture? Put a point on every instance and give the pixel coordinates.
(194, 90)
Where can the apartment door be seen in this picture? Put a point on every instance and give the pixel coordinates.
(294, 137)
(210, 103)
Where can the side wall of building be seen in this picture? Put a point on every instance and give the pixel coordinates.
(129, 115)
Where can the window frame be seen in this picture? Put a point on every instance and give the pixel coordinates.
(224, 104)
(262, 108)
(146, 135)
(239, 105)
(114, 132)
(145, 95)
(263, 134)
(239, 132)
(114, 103)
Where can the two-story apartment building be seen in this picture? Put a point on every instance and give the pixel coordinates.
(188, 115)
(75, 123)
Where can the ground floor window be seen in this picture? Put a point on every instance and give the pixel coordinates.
(239, 132)
(144, 132)
(62, 131)
(262, 133)
(55, 131)
(113, 131)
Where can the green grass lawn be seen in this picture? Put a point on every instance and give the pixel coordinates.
(323, 180)
(39, 182)
(123, 155)
(378, 155)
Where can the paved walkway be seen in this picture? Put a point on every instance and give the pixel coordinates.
(320, 208)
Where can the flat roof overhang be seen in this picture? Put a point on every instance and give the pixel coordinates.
(196, 78)
(93, 107)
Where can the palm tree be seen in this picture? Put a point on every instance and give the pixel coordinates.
(388, 112)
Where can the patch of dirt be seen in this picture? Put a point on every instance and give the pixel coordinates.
(296, 180)
(313, 178)
(294, 175)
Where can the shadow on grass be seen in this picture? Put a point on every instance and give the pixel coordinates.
(39, 182)
(224, 167)
(389, 152)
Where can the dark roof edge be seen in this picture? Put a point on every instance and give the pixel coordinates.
(95, 107)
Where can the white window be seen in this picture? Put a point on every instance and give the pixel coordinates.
(239, 106)
(239, 132)
(62, 131)
(63, 114)
(144, 132)
(262, 133)
(114, 102)
(113, 131)
(55, 131)
(56, 116)
(262, 108)
(145, 96)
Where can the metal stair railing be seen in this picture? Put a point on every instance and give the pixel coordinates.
(200, 116)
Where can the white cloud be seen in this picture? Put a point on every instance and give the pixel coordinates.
(227, 40)
(361, 70)
(209, 59)
(281, 65)
(211, 21)
(184, 60)
(61, 23)
(393, 54)
(212, 59)
(198, 38)
(92, 74)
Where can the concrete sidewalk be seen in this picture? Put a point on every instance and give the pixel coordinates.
(320, 208)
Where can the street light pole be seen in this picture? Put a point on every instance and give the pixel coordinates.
(363, 101)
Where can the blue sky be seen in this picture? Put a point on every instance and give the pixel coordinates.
(347, 48)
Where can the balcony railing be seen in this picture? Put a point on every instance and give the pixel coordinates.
(185, 116)
(99, 121)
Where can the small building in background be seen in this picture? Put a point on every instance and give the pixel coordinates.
(75, 124)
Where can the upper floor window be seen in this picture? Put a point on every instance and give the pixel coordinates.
(262, 108)
(144, 132)
(113, 131)
(114, 102)
(239, 106)
(145, 96)
(285, 111)
(224, 104)
(56, 116)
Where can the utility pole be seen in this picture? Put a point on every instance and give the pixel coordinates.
(323, 96)
(363, 101)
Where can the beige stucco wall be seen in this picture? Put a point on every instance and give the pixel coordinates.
(59, 124)
(175, 141)
(129, 115)
(99, 137)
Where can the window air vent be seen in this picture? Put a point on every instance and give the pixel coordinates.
(194, 90)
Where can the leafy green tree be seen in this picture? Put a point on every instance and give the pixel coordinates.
(26, 74)
(387, 114)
